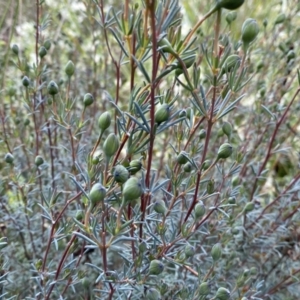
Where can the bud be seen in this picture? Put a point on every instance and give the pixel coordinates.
(134, 166)
(52, 88)
(162, 114)
(142, 246)
(182, 158)
(9, 158)
(210, 187)
(230, 17)
(230, 4)
(204, 289)
(42, 52)
(291, 55)
(187, 167)
(231, 62)
(88, 99)
(189, 251)
(188, 62)
(79, 215)
(47, 44)
(104, 120)
(25, 81)
(253, 271)
(227, 129)
(231, 200)
(120, 174)
(15, 49)
(97, 193)
(160, 207)
(38, 160)
(265, 23)
(153, 294)
(224, 151)
(250, 31)
(70, 68)
(26, 122)
(249, 207)
(216, 252)
(111, 145)
(202, 134)
(132, 189)
(199, 210)
(206, 164)
(223, 294)
(280, 18)
(156, 267)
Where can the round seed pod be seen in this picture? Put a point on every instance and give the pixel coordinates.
(143, 247)
(38, 160)
(206, 164)
(25, 81)
(111, 145)
(47, 44)
(280, 18)
(132, 189)
(162, 114)
(189, 251)
(182, 158)
(160, 207)
(253, 271)
(204, 289)
(202, 134)
(79, 215)
(210, 187)
(231, 61)
(88, 99)
(153, 294)
(156, 267)
(250, 31)
(52, 88)
(230, 17)
(134, 166)
(42, 52)
(230, 4)
(9, 158)
(249, 207)
(223, 294)
(120, 174)
(231, 200)
(188, 167)
(224, 151)
(216, 252)
(15, 49)
(199, 210)
(227, 128)
(104, 121)
(97, 193)
(70, 68)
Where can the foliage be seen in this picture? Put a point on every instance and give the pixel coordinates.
(141, 159)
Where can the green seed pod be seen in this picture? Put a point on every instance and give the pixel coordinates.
(250, 31)
(47, 44)
(25, 81)
(38, 160)
(280, 18)
(52, 88)
(162, 114)
(230, 17)
(265, 23)
(182, 158)
(134, 166)
(104, 121)
(231, 200)
(189, 251)
(291, 55)
(143, 247)
(153, 294)
(231, 62)
(88, 99)
(216, 252)
(199, 210)
(253, 271)
(227, 128)
(160, 207)
(224, 151)
(246, 273)
(42, 52)
(26, 122)
(166, 46)
(132, 189)
(204, 289)
(235, 230)
(230, 4)
(202, 134)
(210, 188)
(188, 61)
(9, 158)
(206, 164)
(223, 294)
(188, 167)
(15, 49)
(249, 207)
(97, 193)
(79, 215)
(120, 174)
(156, 267)
(70, 68)
(86, 283)
(111, 145)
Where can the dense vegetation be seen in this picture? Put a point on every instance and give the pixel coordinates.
(149, 149)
